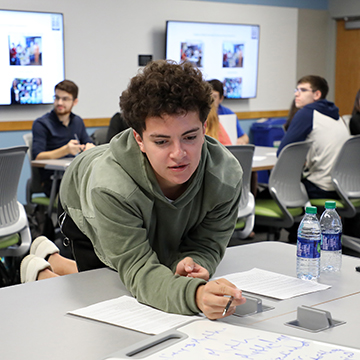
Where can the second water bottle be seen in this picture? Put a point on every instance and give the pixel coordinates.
(331, 230)
(308, 246)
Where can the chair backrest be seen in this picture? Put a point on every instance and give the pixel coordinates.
(11, 163)
(33, 185)
(244, 154)
(346, 169)
(285, 179)
(99, 135)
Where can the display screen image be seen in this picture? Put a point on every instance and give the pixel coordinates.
(31, 56)
(227, 52)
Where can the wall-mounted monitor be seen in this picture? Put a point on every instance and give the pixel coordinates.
(31, 56)
(227, 52)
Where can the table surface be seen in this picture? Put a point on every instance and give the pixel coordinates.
(264, 159)
(36, 325)
(52, 164)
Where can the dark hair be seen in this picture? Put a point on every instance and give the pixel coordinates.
(356, 108)
(218, 86)
(292, 111)
(165, 87)
(316, 83)
(68, 86)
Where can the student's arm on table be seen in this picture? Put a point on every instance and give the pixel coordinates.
(71, 148)
(242, 140)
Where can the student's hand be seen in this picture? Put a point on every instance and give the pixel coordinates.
(242, 140)
(188, 267)
(74, 147)
(89, 146)
(211, 301)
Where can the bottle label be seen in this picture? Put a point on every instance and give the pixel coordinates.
(309, 249)
(331, 242)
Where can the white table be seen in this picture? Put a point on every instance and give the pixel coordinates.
(264, 158)
(342, 299)
(35, 324)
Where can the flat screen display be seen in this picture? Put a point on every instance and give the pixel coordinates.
(31, 56)
(227, 52)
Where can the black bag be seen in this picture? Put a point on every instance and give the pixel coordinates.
(5, 279)
(40, 222)
(352, 226)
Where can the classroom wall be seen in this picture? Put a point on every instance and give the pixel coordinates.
(312, 34)
(342, 8)
(103, 41)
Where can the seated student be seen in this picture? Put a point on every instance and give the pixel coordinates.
(218, 95)
(215, 129)
(162, 215)
(59, 133)
(116, 126)
(355, 118)
(317, 120)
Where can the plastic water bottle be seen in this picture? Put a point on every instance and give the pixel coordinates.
(308, 246)
(331, 231)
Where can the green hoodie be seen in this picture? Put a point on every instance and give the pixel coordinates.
(112, 195)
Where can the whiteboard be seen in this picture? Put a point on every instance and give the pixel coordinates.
(207, 340)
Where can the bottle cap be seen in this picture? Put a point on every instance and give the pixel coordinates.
(330, 204)
(311, 210)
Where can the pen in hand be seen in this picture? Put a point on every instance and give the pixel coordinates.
(228, 306)
(78, 140)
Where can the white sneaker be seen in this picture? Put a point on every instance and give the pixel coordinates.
(30, 267)
(43, 247)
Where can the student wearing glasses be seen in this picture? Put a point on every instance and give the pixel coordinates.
(59, 133)
(317, 120)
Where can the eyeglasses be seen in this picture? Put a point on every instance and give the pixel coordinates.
(64, 99)
(302, 90)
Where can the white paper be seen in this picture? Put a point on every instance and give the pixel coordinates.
(278, 286)
(229, 123)
(258, 158)
(125, 311)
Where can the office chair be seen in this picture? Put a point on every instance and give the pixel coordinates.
(33, 185)
(246, 218)
(99, 135)
(15, 237)
(345, 176)
(288, 194)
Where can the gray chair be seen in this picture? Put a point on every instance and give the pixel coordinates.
(34, 190)
(99, 136)
(15, 237)
(345, 176)
(288, 194)
(246, 217)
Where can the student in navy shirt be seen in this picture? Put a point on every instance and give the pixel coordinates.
(218, 95)
(59, 133)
